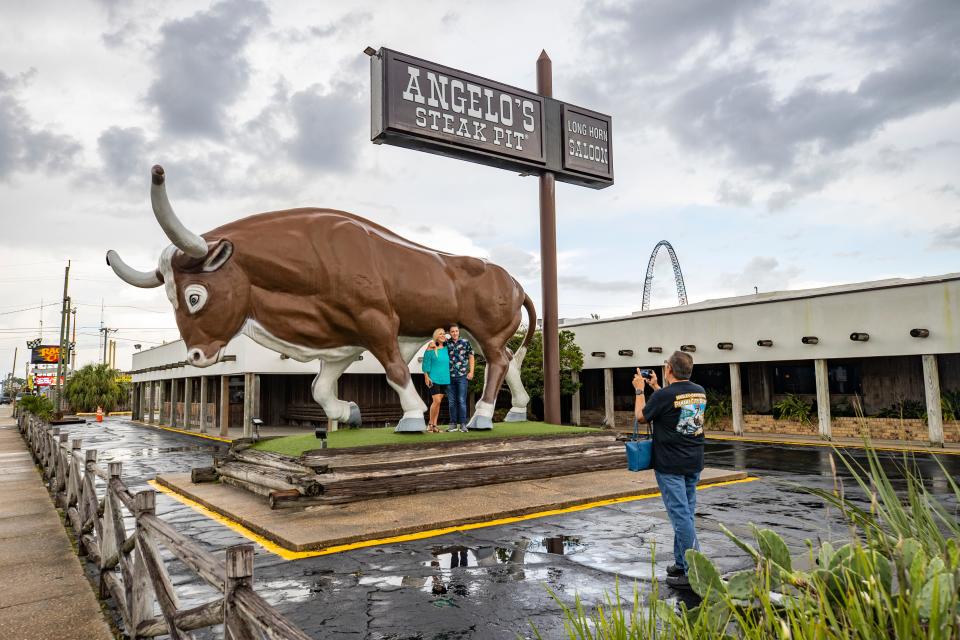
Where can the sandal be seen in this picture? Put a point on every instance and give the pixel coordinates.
(432, 428)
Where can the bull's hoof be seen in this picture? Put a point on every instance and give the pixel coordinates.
(354, 420)
(411, 425)
(480, 423)
(516, 415)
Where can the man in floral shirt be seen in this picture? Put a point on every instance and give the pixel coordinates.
(461, 372)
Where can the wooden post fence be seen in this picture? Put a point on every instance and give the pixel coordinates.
(97, 520)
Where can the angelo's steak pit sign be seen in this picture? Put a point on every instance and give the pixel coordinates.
(425, 106)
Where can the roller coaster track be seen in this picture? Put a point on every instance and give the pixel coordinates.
(677, 275)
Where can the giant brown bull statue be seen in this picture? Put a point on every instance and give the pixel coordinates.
(319, 284)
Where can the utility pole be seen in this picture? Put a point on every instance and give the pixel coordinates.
(13, 370)
(73, 342)
(106, 331)
(64, 335)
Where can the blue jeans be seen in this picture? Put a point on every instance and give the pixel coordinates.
(457, 399)
(679, 494)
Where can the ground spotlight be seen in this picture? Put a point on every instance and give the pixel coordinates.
(321, 434)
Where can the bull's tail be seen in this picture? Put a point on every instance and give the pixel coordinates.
(531, 328)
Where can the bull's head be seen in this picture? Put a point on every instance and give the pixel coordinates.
(209, 291)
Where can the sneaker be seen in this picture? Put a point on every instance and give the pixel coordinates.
(678, 582)
(674, 571)
(463, 428)
(453, 428)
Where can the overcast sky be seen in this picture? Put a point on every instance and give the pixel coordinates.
(780, 145)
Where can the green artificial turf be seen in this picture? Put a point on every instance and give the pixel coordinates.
(295, 445)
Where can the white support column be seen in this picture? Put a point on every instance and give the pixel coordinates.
(224, 408)
(736, 398)
(609, 414)
(204, 414)
(256, 396)
(174, 397)
(151, 400)
(823, 398)
(931, 388)
(248, 390)
(575, 400)
(187, 403)
(160, 396)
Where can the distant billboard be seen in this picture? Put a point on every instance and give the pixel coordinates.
(45, 354)
(45, 380)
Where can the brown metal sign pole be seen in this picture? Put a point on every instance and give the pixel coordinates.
(548, 268)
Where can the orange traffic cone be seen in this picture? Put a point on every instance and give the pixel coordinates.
(99, 414)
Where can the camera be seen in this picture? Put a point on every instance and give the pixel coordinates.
(646, 373)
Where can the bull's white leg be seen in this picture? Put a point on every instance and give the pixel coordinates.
(411, 402)
(482, 418)
(413, 407)
(325, 391)
(519, 398)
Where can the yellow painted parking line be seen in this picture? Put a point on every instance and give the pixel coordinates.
(838, 445)
(287, 554)
(182, 431)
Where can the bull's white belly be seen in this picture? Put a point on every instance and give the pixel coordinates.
(259, 334)
(256, 332)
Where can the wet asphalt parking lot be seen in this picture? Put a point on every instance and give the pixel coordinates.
(493, 582)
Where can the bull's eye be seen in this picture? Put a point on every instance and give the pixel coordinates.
(196, 297)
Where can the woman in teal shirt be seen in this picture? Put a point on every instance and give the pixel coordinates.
(436, 373)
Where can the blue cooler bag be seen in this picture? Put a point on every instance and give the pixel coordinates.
(639, 450)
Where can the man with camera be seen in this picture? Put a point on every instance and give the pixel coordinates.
(676, 413)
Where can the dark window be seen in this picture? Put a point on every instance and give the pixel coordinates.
(794, 379)
(712, 377)
(844, 378)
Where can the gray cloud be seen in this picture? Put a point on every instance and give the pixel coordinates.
(655, 35)
(584, 283)
(122, 152)
(735, 194)
(201, 67)
(328, 125)
(946, 237)
(23, 146)
(706, 73)
(349, 20)
(763, 272)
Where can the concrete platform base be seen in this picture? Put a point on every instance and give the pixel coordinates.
(321, 527)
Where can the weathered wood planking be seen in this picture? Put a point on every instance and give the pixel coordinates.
(143, 581)
(340, 458)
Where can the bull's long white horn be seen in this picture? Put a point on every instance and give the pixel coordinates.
(142, 279)
(182, 238)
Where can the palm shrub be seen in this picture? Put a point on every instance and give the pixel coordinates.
(950, 403)
(898, 577)
(95, 385)
(40, 406)
(905, 409)
(719, 408)
(793, 407)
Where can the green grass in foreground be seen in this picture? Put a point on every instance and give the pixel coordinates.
(295, 445)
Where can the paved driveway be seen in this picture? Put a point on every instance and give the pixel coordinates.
(492, 582)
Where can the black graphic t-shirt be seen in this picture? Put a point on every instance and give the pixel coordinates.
(676, 413)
